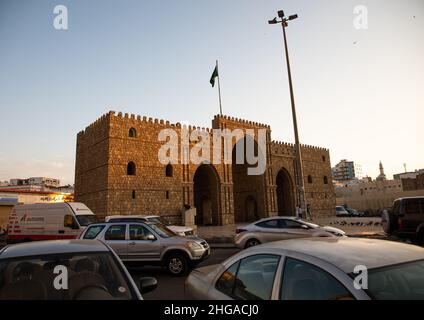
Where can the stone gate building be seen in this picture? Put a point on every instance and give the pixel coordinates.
(118, 172)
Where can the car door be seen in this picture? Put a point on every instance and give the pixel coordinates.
(116, 237)
(270, 230)
(143, 244)
(295, 229)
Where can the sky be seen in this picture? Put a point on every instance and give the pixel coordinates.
(359, 92)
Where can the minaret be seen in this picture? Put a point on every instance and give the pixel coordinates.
(382, 176)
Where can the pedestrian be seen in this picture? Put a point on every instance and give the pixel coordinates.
(309, 212)
(298, 212)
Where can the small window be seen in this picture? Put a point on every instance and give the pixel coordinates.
(138, 232)
(132, 133)
(167, 194)
(115, 233)
(226, 282)
(133, 194)
(325, 180)
(169, 170)
(304, 281)
(323, 159)
(93, 232)
(131, 168)
(69, 222)
(255, 277)
(309, 179)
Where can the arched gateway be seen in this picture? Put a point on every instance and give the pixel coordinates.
(206, 195)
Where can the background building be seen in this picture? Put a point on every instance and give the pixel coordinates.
(346, 170)
(118, 172)
(372, 195)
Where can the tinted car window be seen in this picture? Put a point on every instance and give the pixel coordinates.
(412, 206)
(399, 282)
(268, 224)
(138, 232)
(292, 224)
(93, 231)
(226, 282)
(91, 276)
(255, 277)
(304, 281)
(115, 233)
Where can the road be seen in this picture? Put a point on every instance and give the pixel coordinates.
(172, 288)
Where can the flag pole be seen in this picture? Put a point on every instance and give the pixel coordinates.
(219, 90)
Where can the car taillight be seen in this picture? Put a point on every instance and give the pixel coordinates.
(240, 230)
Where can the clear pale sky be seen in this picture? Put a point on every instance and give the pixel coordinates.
(359, 93)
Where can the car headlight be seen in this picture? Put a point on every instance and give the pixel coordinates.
(194, 246)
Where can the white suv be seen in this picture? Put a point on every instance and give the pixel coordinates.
(150, 243)
(179, 230)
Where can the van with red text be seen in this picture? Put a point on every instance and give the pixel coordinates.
(48, 221)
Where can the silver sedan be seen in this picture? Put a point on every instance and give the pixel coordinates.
(281, 228)
(315, 269)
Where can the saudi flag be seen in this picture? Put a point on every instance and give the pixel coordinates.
(214, 75)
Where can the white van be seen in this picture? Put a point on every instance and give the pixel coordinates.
(48, 221)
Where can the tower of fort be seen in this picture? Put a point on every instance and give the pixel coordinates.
(118, 172)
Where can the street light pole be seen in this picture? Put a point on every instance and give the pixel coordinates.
(300, 184)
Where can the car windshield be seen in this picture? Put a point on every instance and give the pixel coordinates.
(160, 220)
(74, 276)
(86, 219)
(399, 282)
(162, 230)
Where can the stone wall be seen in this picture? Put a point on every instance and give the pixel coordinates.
(106, 147)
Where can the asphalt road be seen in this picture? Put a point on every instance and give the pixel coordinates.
(172, 288)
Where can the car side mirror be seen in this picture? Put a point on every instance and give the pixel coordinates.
(151, 237)
(147, 284)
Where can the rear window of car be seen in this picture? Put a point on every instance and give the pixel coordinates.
(93, 231)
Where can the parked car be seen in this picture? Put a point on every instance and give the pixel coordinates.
(313, 269)
(280, 228)
(182, 231)
(405, 219)
(342, 212)
(48, 221)
(355, 213)
(90, 270)
(151, 244)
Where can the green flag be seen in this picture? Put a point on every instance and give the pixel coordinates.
(214, 75)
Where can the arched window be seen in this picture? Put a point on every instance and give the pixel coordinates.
(133, 194)
(323, 159)
(309, 179)
(169, 170)
(131, 168)
(325, 180)
(132, 133)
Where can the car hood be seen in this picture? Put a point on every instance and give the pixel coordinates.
(333, 230)
(180, 228)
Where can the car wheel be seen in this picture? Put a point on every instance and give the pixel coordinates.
(177, 264)
(251, 243)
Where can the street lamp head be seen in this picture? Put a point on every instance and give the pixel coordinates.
(273, 21)
(281, 14)
(292, 17)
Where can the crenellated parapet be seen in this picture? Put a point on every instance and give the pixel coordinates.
(236, 122)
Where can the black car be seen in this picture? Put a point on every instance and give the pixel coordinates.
(405, 219)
